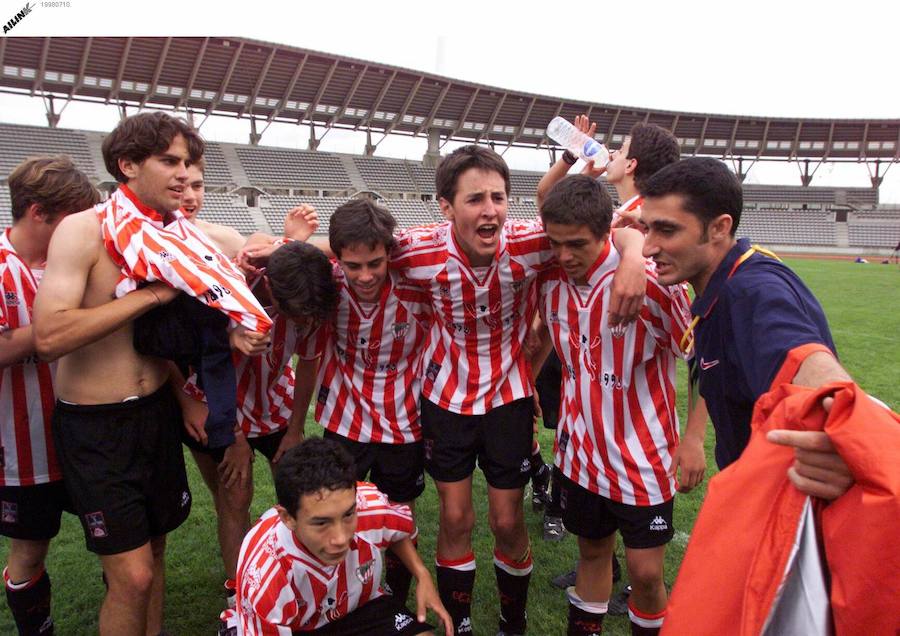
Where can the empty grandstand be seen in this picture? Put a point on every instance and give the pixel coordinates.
(250, 186)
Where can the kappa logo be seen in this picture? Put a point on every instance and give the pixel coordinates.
(707, 365)
(322, 398)
(563, 441)
(165, 256)
(401, 621)
(525, 467)
(185, 498)
(365, 571)
(10, 512)
(11, 299)
(659, 524)
(465, 626)
(96, 525)
(444, 291)
(553, 317)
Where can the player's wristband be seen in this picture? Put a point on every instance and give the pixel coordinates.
(569, 158)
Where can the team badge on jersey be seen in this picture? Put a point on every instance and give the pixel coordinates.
(96, 525)
(10, 512)
(400, 329)
(323, 395)
(432, 371)
(366, 571)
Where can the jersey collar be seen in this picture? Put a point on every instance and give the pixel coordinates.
(146, 210)
(704, 304)
(631, 203)
(598, 270)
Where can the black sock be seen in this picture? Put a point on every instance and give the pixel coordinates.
(536, 463)
(30, 605)
(583, 623)
(554, 506)
(455, 581)
(512, 585)
(396, 576)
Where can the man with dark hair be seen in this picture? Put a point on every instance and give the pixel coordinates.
(369, 381)
(313, 562)
(647, 149)
(477, 396)
(618, 429)
(116, 424)
(43, 191)
(755, 325)
(478, 401)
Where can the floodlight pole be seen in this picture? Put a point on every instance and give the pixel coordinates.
(52, 115)
(254, 136)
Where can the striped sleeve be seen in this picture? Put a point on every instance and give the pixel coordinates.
(380, 522)
(179, 255)
(266, 603)
(4, 321)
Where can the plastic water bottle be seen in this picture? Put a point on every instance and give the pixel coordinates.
(578, 143)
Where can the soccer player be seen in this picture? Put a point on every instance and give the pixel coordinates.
(477, 401)
(618, 429)
(369, 376)
(115, 423)
(227, 239)
(313, 562)
(647, 149)
(32, 494)
(477, 396)
(755, 324)
(299, 293)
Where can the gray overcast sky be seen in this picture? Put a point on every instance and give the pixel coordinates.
(765, 58)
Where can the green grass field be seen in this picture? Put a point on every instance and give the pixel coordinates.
(863, 306)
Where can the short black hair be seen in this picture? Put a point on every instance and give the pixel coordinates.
(452, 167)
(654, 148)
(302, 281)
(145, 134)
(707, 188)
(361, 221)
(579, 200)
(313, 465)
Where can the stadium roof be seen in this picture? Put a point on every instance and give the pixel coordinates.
(268, 82)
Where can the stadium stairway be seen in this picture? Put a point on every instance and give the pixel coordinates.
(260, 220)
(841, 235)
(95, 145)
(356, 178)
(234, 164)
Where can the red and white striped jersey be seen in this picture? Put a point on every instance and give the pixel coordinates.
(265, 383)
(179, 254)
(633, 203)
(27, 454)
(282, 587)
(370, 373)
(473, 358)
(618, 427)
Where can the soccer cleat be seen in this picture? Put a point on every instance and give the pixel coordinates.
(554, 530)
(540, 488)
(618, 604)
(563, 581)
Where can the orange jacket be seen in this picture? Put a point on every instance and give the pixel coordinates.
(735, 576)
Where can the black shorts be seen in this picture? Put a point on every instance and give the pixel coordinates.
(265, 444)
(383, 616)
(592, 516)
(500, 440)
(124, 469)
(397, 469)
(33, 512)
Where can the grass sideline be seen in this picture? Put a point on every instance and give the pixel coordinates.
(863, 306)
